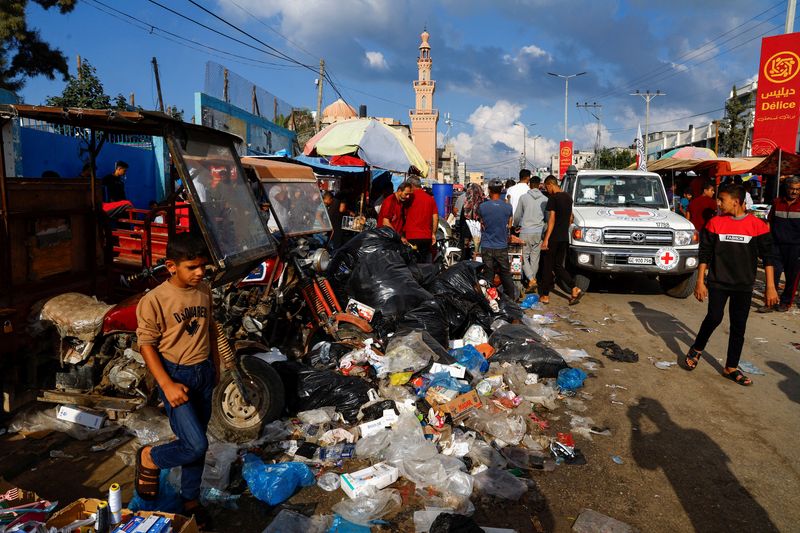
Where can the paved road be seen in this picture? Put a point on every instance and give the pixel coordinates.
(699, 452)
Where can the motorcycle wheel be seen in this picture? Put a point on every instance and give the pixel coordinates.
(233, 419)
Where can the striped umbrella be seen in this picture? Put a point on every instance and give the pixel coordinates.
(374, 142)
(690, 152)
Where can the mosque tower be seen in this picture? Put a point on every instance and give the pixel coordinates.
(425, 118)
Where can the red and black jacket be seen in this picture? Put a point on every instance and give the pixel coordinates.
(731, 248)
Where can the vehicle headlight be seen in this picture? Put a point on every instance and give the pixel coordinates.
(593, 235)
(682, 238)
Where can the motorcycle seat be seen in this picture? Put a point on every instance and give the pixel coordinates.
(75, 315)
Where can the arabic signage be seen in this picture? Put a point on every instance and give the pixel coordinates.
(778, 95)
(564, 157)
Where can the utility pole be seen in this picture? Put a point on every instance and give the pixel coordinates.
(320, 81)
(716, 136)
(254, 104)
(158, 86)
(566, 93)
(790, 9)
(594, 105)
(647, 95)
(78, 59)
(132, 100)
(225, 86)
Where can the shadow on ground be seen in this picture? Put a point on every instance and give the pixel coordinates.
(697, 468)
(791, 385)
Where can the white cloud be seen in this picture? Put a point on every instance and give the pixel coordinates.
(376, 60)
(525, 57)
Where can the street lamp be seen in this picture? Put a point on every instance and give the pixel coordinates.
(647, 97)
(534, 153)
(524, 147)
(566, 93)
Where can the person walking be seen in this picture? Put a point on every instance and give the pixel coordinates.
(496, 216)
(702, 208)
(784, 223)
(177, 340)
(114, 183)
(730, 247)
(469, 220)
(422, 221)
(555, 243)
(515, 192)
(529, 218)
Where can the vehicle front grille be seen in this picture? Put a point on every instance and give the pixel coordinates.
(652, 237)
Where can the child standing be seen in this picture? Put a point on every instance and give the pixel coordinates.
(176, 338)
(730, 247)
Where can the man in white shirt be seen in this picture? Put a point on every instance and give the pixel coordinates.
(514, 193)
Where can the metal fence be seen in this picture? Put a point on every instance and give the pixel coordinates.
(243, 93)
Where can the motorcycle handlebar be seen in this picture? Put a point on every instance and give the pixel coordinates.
(145, 273)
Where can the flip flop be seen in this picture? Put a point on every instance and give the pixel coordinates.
(577, 299)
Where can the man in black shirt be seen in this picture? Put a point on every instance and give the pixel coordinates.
(556, 242)
(114, 183)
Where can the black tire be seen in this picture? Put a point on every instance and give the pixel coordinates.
(234, 421)
(681, 286)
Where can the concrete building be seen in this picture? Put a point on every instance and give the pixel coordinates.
(475, 177)
(449, 169)
(580, 158)
(424, 117)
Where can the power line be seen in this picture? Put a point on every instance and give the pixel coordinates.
(178, 39)
(614, 130)
(270, 28)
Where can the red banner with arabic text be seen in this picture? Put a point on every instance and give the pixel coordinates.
(778, 95)
(564, 157)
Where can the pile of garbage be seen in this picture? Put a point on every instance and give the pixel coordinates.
(446, 401)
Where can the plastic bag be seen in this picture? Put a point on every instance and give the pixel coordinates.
(382, 281)
(340, 525)
(217, 471)
(407, 353)
(441, 379)
(454, 523)
(148, 425)
(499, 483)
(292, 522)
(461, 280)
(364, 510)
(483, 453)
(35, 419)
(516, 342)
(327, 354)
(307, 388)
(320, 416)
(508, 428)
(168, 500)
(348, 256)
(475, 335)
(571, 378)
(430, 316)
(530, 301)
(372, 447)
(274, 484)
(471, 359)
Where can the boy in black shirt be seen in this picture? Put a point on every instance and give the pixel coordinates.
(730, 247)
(555, 243)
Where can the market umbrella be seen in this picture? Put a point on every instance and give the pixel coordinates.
(374, 142)
(689, 152)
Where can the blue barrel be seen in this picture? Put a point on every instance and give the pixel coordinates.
(443, 195)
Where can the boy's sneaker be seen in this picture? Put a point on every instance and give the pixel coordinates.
(782, 308)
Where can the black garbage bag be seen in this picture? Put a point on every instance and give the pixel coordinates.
(326, 355)
(509, 309)
(308, 388)
(460, 314)
(517, 342)
(383, 281)
(429, 316)
(348, 256)
(424, 273)
(454, 523)
(461, 280)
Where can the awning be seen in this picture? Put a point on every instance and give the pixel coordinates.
(790, 164)
(270, 169)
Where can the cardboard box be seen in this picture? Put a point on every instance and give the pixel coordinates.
(80, 416)
(455, 370)
(85, 507)
(460, 406)
(380, 476)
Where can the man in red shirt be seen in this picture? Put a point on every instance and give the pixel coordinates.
(392, 214)
(422, 219)
(703, 207)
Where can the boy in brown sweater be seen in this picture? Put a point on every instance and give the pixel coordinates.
(176, 338)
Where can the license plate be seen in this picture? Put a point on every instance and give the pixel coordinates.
(640, 260)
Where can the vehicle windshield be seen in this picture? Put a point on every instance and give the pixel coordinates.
(616, 191)
(226, 203)
(298, 207)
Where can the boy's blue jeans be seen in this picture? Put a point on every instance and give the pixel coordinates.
(189, 422)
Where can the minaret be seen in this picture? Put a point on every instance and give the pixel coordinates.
(425, 118)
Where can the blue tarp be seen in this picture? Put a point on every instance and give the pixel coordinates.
(320, 165)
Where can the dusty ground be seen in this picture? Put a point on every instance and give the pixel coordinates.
(699, 452)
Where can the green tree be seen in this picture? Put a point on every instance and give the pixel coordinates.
(301, 121)
(734, 126)
(613, 159)
(85, 91)
(23, 54)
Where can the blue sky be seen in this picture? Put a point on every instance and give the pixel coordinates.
(490, 59)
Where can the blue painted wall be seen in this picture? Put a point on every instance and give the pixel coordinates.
(42, 150)
(261, 136)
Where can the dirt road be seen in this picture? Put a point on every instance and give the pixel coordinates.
(698, 452)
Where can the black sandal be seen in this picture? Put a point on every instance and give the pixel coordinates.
(692, 361)
(737, 377)
(147, 479)
(577, 299)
